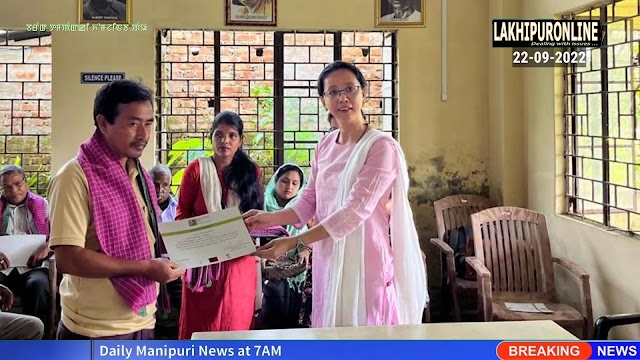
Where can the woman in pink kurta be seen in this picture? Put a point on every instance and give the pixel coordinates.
(341, 87)
(368, 202)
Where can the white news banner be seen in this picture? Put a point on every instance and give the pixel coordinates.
(18, 248)
(207, 239)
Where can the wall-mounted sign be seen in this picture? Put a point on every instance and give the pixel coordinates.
(100, 78)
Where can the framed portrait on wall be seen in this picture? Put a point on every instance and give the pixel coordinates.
(400, 13)
(104, 11)
(250, 12)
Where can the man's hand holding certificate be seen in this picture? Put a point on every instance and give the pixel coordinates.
(207, 239)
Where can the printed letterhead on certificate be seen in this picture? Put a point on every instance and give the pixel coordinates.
(207, 239)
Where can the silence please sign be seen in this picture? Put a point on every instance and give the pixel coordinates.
(100, 78)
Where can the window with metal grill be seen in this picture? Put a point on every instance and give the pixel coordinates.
(601, 149)
(269, 78)
(25, 104)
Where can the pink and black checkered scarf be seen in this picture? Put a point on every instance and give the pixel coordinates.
(118, 221)
(37, 207)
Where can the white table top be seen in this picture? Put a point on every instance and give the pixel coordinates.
(511, 330)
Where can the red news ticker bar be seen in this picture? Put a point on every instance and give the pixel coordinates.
(552, 350)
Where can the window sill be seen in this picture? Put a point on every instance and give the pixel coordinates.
(598, 226)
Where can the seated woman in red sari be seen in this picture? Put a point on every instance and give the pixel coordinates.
(220, 297)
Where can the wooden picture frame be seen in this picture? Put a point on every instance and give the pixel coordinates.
(104, 12)
(250, 12)
(400, 13)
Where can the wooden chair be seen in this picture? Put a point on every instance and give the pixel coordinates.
(452, 212)
(513, 263)
(51, 327)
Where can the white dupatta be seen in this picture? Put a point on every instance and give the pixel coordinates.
(212, 194)
(345, 303)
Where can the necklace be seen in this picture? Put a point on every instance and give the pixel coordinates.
(366, 127)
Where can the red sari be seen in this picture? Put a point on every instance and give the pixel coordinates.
(229, 303)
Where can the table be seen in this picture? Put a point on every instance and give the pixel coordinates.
(507, 330)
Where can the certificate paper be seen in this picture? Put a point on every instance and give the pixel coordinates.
(18, 248)
(207, 239)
